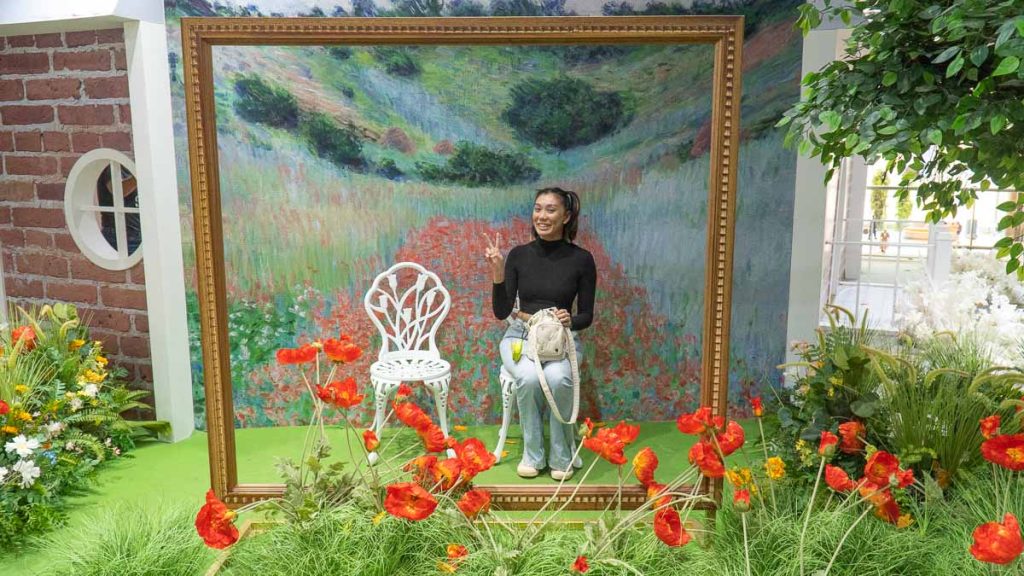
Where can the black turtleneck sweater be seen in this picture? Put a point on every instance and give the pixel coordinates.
(548, 274)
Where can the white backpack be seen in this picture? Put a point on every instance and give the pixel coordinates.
(548, 340)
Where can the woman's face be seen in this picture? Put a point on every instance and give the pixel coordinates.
(549, 216)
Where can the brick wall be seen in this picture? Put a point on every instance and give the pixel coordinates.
(62, 95)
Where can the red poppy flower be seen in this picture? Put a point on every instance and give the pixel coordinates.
(214, 523)
(880, 467)
(342, 350)
(4, 408)
(755, 403)
(904, 478)
(1006, 450)
(433, 438)
(404, 391)
(827, 446)
(446, 473)
(587, 428)
(696, 423)
(703, 456)
(340, 393)
(990, 426)
(838, 480)
(741, 500)
(474, 502)
(423, 465)
(887, 509)
(654, 490)
(626, 432)
(668, 527)
(998, 543)
(474, 457)
(607, 445)
(644, 464)
(580, 565)
(410, 501)
(852, 434)
(370, 440)
(732, 439)
(456, 551)
(300, 355)
(413, 416)
(27, 336)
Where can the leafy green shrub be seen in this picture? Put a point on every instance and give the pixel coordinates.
(60, 417)
(474, 165)
(340, 52)
(564, 112)
(332, 142)
(260, 101)
(396, 60)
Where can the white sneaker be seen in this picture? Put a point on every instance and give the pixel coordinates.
(561, 475)
(525, 471)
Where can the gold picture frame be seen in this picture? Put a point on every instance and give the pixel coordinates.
(200, 35)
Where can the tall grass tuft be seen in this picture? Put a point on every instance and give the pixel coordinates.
(132, 540)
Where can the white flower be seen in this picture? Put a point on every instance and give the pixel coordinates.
(22, 445)
(29, 472)
(54, 429)
(91, 390)
(3, 474)
(76, 404)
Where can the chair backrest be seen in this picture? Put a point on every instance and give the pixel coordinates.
(407, 303)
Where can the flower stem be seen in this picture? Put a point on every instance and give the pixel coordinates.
(746, 545)
(807, 514)
(843, 539)
(764, 445)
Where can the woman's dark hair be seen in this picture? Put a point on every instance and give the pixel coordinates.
(571, 202)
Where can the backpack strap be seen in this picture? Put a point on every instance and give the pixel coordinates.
(573, 364)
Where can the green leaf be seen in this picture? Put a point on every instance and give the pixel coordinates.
(1016, 250)
(979, 55)
(935, 136)
(946, 54)
(844, 15)
(831, 119)
(1020, 27)
(863, 408)
(1008, 65)
(997, 123)
(889, 78)
(1012, 265)
(888, 130)
(955, 66)
(1005, 242)
(1007, 206)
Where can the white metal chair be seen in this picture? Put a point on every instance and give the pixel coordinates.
(407, 304)
(508, 402)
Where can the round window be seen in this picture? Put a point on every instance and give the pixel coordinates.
(101, 205)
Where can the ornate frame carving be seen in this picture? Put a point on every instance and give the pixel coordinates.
(199, 35)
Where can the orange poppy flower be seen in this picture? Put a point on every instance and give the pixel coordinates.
(880, 467)
(342, 350)
(827, 446)
(433, 438)
(423, 465)
(887, 509)
(587, 429)
(741, 500)
(668, 527)
(654, 490)
(300, 355)
(214, 523)
(4, 408)
(456, 551)
(474, 502)
(990, 426)
(732, 439)
(998, 543)
(1006, 450)
(703, 456)
(474, 457)
(904, 478)
(838, 480)
(852, 434)
(626, 432)
(607, 445)
(27, 335)
(340, 393)
(404, 391)
(644, 464)
(580, 565)
(370, 440)
(696, 423)
(446, 473)
(410, 501)
(412, 416)
(755, 403)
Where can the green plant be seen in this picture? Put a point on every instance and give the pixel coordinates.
(474, 165)
(397, 60)
(332, 142)
(879, 197)
(264, 102)
(565, 112)
(919, 76)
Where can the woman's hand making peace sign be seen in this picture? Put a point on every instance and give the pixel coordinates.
(494, 257)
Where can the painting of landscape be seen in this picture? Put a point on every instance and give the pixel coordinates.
(338, 161)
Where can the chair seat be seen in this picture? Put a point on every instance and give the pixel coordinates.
(410, 368)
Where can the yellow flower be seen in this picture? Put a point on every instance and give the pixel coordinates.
(835, 380)
(76, 344)
(740, 477)
(504, 453)
(101, 360)
(377, 519)
(24, 416)
(70, 395)
(904, 520)
(459, 428)
(831, 391)
(95, 377)
(775, 468)
(9, 430)
(21, 389)
(446, 567)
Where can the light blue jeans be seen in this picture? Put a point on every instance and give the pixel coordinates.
(533, 405)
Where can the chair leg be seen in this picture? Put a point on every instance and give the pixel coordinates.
(381, 391)
(440, 390)
(507, 404)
